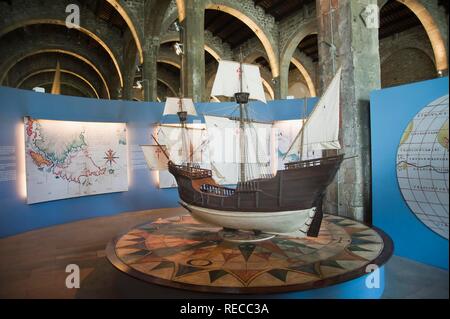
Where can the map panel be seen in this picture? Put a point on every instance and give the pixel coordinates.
(71, 159)
(422, 166)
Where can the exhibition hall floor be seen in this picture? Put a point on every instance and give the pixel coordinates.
(32, 264)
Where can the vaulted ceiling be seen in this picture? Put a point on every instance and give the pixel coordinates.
(394, 18)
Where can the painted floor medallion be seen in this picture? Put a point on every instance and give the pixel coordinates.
(183, 253)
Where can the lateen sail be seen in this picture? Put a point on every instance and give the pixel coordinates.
(321, 129)
(227, 81)
(154, 156)
(173, 106)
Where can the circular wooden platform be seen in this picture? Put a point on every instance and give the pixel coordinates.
(183, 253)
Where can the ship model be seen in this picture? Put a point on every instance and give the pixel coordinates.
(286, 202)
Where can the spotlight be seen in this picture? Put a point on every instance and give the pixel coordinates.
(178, 48)
(138, 85)
(39, 89)
(177, 26)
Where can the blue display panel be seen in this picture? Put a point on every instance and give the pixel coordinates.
(16, 216)
(394, 211)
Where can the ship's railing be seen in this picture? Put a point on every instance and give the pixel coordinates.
(250, 186)
(217, 190)
(192, 171)
(312, 162)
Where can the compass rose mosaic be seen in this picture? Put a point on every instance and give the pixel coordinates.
(181, 252)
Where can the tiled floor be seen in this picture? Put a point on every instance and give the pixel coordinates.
(32, 265)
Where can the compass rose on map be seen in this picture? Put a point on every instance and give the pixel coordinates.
(110, 157)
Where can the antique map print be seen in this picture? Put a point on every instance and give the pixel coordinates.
(71, 159)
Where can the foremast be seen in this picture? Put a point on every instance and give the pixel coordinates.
(182, 107)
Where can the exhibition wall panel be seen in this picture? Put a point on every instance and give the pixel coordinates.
(17, 216)
(409, 129)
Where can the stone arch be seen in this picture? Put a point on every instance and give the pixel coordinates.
(69, 89)
(43, 79)
(170, 80)
(87, 32)
(306, 76)
(181, 9)
(394, 68)
(48, 60)
(287, 53)
(172, 13)
(132, 23)
(209, 47)
(261, 24)
(432, 30)
(169, 57)
(19, 56)
(29, 12)
(265, 73)
(168, 85)
(62, 71)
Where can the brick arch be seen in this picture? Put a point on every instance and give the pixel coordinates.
(62, 71)
(432, 30)
(25, 12)
(262, 25)
(287, 56)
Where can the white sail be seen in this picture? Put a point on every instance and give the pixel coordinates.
(172, 137)
(321, 129)
(174, 105)
(154, 156)
(227, 81)
(224, 150)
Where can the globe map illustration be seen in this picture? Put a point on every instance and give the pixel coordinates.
(422, 166)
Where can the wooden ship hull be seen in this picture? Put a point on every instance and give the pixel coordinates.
(289, 202)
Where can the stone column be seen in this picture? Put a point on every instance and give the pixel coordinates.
(149, 72)
(193, 70)
(277, 88)
(284, 83)
(357, 53)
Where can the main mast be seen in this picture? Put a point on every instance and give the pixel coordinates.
(242, 99)
(182, 116)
